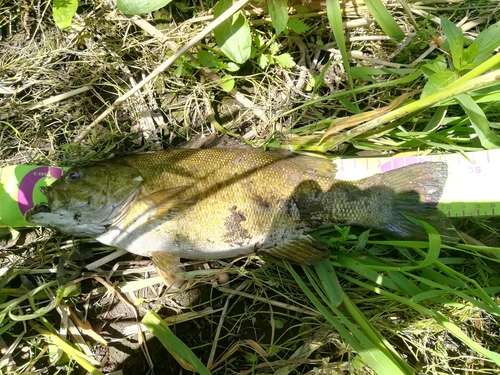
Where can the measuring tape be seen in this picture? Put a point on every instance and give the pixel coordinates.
(471, 188)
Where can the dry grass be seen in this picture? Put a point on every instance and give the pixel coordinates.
(54, 84)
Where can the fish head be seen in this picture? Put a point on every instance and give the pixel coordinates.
(86, 200)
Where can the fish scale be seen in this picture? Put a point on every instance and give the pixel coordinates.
(219, 203)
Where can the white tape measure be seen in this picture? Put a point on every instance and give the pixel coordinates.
(472, 188)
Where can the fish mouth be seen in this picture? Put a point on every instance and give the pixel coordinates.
(55, 198)
(39, 208)
(44, 207)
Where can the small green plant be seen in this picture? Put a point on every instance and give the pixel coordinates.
(264, 59)
(63, 12)
(462, 58)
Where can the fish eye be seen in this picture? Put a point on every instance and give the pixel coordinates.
(74, 176)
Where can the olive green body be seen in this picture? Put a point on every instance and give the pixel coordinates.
(218, 203)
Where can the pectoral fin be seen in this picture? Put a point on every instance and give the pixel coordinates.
(168, 202)
(303, 251)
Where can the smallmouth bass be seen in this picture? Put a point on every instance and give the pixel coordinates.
(221, 203)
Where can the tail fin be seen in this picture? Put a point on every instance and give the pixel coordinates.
(418, 188)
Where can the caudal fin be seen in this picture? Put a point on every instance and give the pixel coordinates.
(417, 189)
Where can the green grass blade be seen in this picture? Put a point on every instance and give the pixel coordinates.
(83, 360)
(334, 14)
(361, 269)
(310, 103)
(404, 283)
(375, 336)
(451, 327)
(384, 19)
(479, 122)
(434, 245)
(171, 342)
(449, 92)
(477, 291)
(367, 349)
(330, 282)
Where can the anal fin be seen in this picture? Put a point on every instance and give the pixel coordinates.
(304, 250)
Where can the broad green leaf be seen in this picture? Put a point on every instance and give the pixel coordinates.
(455, 38)
(484, 45)
(233, 35)
(384, 19)
(285, 60)
(206, 59)
(178, 71)
(278, 323)
(437, 65)
(297, 26)
(437, 82)
(279, 14)
(139, 7)
(301, 9)
(172, 343)
(479, 121)
(232, 67)
(227, 82)
(63, 12)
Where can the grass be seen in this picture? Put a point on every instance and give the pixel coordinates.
(378, 306)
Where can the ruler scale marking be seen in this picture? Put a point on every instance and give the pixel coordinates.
(470, 189)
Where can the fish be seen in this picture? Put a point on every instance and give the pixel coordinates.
(219, 203)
